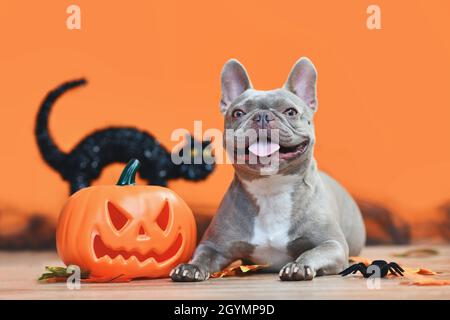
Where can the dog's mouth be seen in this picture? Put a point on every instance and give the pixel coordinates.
(294, 151)
(269, 149)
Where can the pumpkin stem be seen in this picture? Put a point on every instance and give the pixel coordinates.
(129, 173)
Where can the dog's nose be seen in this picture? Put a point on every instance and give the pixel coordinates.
(263, 118)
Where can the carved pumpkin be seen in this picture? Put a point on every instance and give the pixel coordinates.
(126, 230)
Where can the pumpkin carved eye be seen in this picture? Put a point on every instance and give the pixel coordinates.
(163, 218)
(119, 219)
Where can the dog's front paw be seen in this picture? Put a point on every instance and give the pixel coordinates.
(188, 273)
(294, 271)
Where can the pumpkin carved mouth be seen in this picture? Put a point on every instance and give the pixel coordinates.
(101, 250)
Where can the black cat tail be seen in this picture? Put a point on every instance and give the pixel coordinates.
(49, 150)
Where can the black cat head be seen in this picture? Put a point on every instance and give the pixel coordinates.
(198, 160)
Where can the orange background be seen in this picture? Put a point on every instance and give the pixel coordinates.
(384, 103)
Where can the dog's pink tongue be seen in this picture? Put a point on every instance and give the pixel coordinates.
(263, 149)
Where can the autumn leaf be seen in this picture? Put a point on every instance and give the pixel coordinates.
(254, 267)
(421, 271)
(53, 279)
(237, 269)
(116, 279)
(427, 282)
(426, 272)
(419, 253)
(60, 274)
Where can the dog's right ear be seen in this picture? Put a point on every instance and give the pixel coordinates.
(234, 82)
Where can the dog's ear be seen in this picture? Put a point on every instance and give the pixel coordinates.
(302, 82)
(234, 82)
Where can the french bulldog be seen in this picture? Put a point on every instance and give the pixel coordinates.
(297, 221)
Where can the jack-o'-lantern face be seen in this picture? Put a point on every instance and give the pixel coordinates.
(126, 230)
(133, 236)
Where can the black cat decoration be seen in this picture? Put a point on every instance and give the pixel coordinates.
(85, 162)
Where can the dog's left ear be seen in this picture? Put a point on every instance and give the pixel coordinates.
(302, 82)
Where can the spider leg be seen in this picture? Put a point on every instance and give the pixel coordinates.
(396, 267)
(353, 269)
(399, 272)
(392, 270)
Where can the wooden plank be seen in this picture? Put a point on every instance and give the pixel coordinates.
(19, 271)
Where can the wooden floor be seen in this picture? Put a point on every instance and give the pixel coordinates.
(19, 271)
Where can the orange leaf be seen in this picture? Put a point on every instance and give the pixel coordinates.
(55, 280)
(426, 272)
(59, 274)
(116, 279)
(235, 270)
(427, 282)
(411, 270)
(223, 273)
(230, 271)
(422, 271)
(252, 267)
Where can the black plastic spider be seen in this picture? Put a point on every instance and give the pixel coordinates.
(383, 266)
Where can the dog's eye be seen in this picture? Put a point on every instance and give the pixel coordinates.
(238, 113)
(290, 112)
